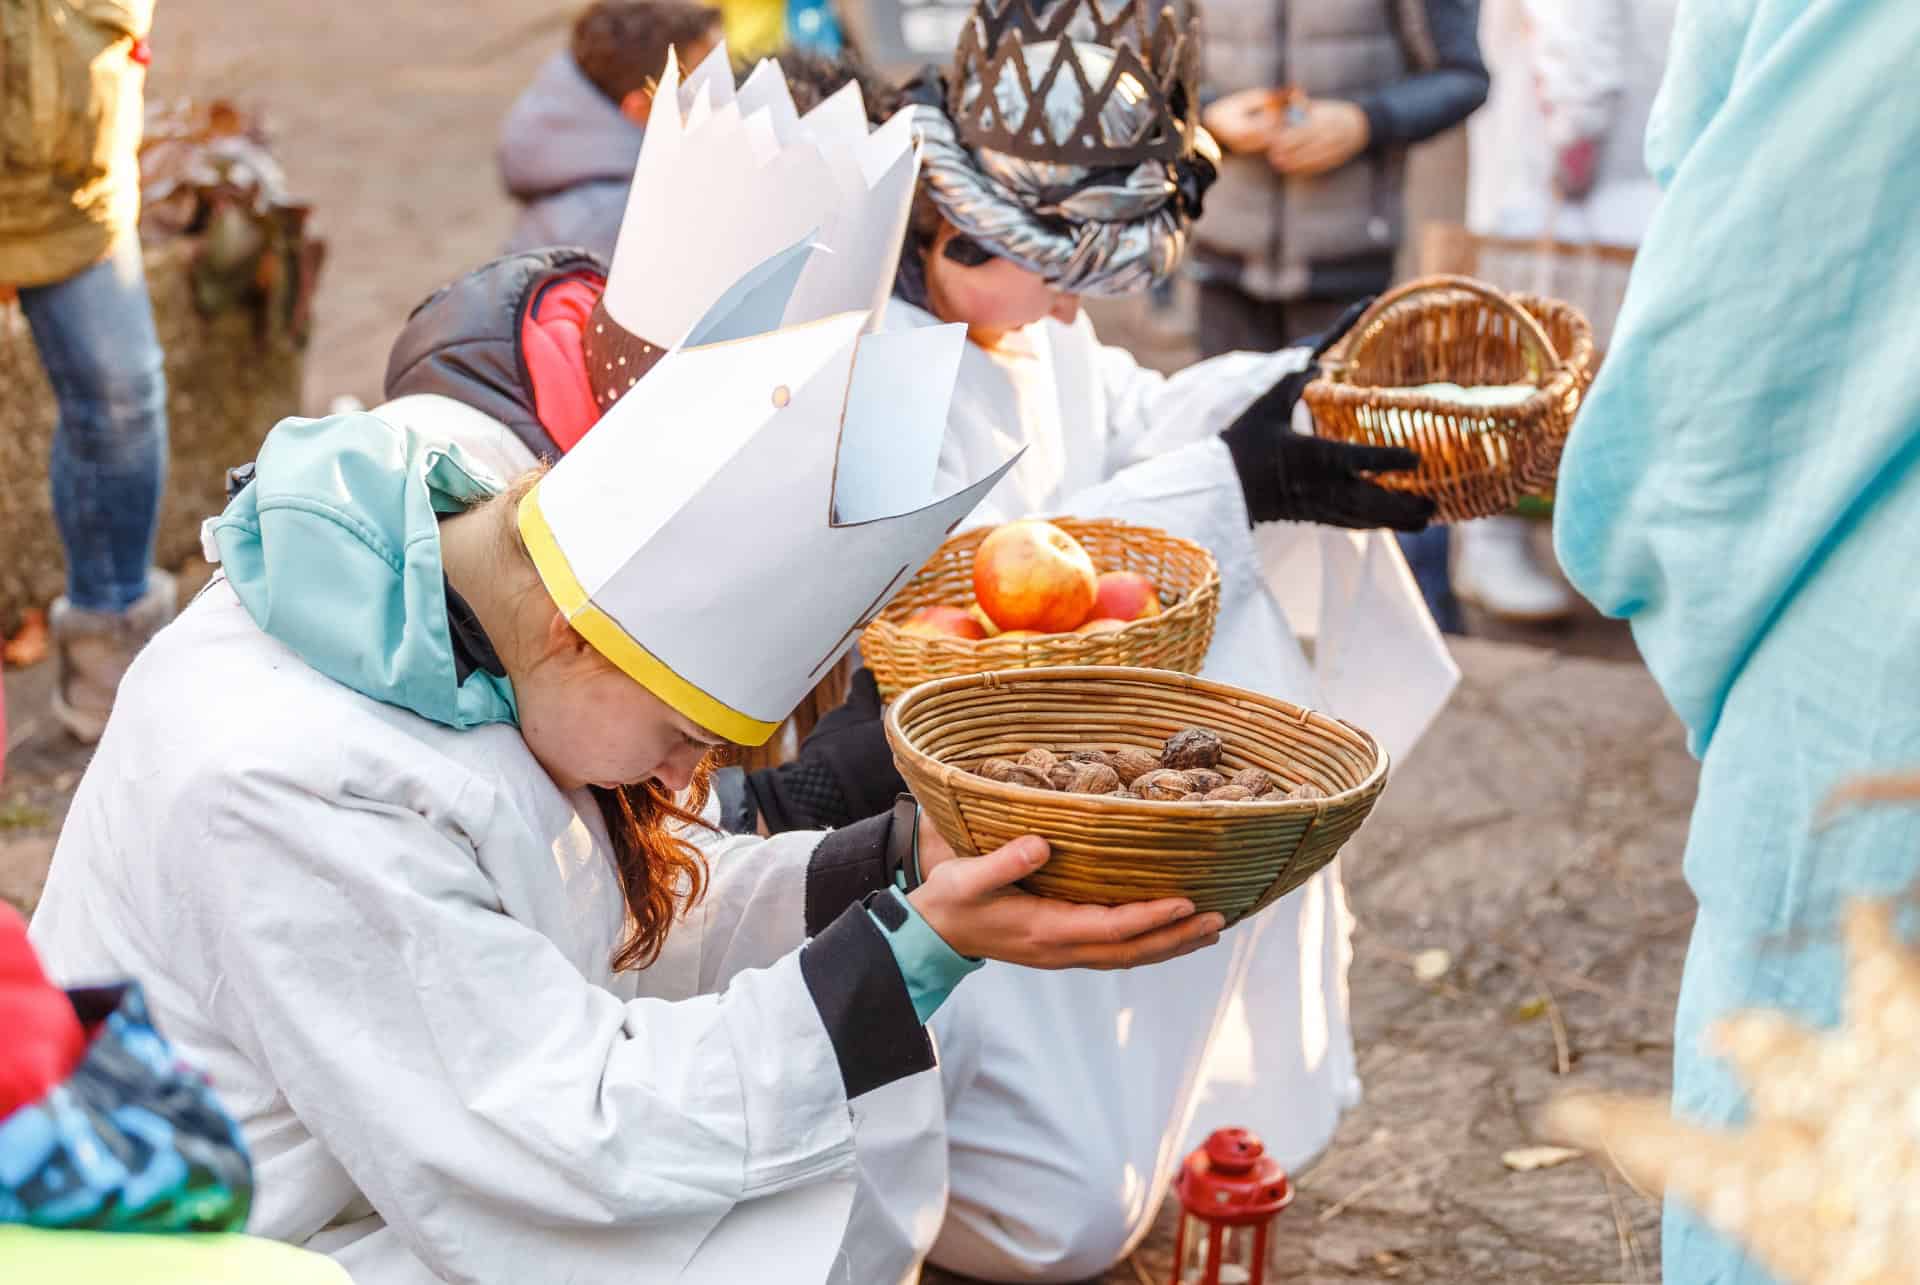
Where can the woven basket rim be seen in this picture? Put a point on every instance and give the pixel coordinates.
(1069, 524)
(1338, 385)
(1176, 636)
(907, 700)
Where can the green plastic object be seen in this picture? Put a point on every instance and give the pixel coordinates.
(33, 1256)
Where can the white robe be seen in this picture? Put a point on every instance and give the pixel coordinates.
(1081, 1091)
(389, 943)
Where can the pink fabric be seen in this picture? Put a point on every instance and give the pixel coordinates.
(551, 342)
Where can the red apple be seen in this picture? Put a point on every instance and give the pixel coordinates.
(1125, 595)
(1102, 625)
(1032, 575)
(943, 622)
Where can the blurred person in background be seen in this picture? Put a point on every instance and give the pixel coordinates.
(761, 28)
(1315, 105)
(568, 146)
(70, 122)
(1557, 157)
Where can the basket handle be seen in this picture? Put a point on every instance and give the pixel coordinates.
(1531, 331)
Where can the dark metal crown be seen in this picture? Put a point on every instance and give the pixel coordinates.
(1158, 51)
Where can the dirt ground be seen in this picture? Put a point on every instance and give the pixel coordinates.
(1534, 838)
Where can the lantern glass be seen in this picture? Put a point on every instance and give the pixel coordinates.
(1236, 1249)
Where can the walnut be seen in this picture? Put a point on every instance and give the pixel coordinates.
(1122, 793)
(996, 769)
(1091, 756)
(1162, 784)
(1092, 778)
(1039, 760)
(1021, 774)
(1253, 781)
(1061, 774)
(1305, 790)
(1193, 796)
(1195, 747)
(1133, 764)
(1229, 794)
(1204, 779)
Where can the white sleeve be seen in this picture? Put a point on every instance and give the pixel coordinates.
(509, 1119)
(1149, 413)
(753, 912)
(1579, 53)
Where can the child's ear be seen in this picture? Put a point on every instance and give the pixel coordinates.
(637, 106)
(562, 638)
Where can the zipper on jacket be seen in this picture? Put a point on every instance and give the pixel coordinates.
(1275, 266)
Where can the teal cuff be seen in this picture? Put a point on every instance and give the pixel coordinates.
(929, 966)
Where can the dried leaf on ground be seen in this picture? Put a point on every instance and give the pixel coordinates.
(1431, 965)
(28, 646)
(1527, 1159)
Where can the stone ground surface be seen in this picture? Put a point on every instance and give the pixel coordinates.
(1535, 837)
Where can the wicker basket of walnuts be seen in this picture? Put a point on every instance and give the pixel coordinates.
(1146, 783)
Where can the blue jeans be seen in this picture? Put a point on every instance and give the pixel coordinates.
(1426, 553)
(96, 339)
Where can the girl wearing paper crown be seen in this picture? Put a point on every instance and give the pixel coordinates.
(1207, 454)
(396, 819)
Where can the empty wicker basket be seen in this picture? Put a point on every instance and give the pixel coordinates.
(1177, 638)
(1476, 461)
(1231, 857)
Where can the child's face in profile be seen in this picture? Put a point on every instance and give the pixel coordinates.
(991, 295)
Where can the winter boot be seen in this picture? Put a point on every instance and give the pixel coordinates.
(92, 650)
(1497, 570)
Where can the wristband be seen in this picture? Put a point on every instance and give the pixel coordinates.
(903, 844)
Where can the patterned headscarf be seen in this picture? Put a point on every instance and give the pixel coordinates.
(1096, 230)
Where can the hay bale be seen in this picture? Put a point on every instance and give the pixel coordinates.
(231, 376)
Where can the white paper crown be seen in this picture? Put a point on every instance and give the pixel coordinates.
(727, 179)
(733, 522)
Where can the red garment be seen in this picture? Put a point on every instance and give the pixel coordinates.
(551, 344)
(44, 1040)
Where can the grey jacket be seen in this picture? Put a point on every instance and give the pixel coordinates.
(1413, 66)
(567, 155)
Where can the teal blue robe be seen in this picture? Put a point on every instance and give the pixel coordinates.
(1743, 485)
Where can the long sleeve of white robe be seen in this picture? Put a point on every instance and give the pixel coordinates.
(542, 1117)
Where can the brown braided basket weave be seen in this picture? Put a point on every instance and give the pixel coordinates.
(1475, 461)
(1177, 638)
(1235, 858)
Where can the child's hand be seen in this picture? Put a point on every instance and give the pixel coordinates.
(972, 904)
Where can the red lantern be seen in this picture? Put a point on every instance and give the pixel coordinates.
(1230, 1191)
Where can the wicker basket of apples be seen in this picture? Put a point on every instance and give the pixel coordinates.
(1034, 595)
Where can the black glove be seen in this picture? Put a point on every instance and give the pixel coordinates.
(843, 773)
(1290, 477)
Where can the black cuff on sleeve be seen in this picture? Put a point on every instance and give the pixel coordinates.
(1383, 131)
(848, 864)
(1256, 459)
(863, 1001)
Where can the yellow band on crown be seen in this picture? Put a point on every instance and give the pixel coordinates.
(618, 646)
